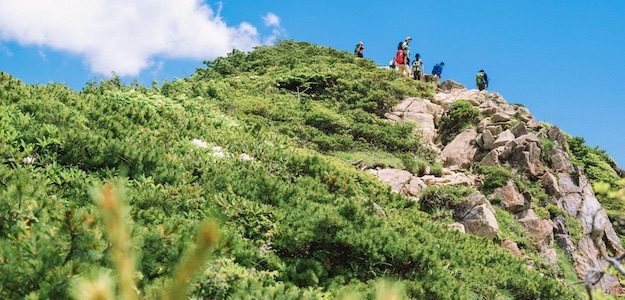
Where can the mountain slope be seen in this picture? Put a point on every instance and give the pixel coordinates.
(274, 144)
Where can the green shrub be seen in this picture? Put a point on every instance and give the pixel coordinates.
(443, 197)
(461, 114)
(548, 147)
(494, 177)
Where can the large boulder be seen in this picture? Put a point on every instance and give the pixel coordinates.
(540, 230)
(503, 139)
(461, 151)
(481, 221)
(560, 161)
(519, 130)
(550, 183)
(414, 186)
(449, 85)
(425, 124)
(511, 199)
(500, 117)
(486, 140)
(395, 178)
(492, 158)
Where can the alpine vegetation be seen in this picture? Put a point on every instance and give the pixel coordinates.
(296, 172)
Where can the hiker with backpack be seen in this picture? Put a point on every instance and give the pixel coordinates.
(438, 70)
(360, 49)
(482, 80)
(400, 63)
(417, 67)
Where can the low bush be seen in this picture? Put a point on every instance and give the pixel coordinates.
(461, 114)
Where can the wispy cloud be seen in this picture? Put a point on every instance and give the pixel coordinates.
(273, 21)
(4, 50)
(124, 36)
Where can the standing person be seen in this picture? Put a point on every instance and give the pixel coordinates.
(400, 63)
(438, 70)
(417, 67)
(482, 80)
(360, 49)
(406, 47)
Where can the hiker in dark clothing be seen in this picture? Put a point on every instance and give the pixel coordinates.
(438, 70)
(360, 49)
(417, 67)
(482, 80)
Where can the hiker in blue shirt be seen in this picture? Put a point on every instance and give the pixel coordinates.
(438, 69)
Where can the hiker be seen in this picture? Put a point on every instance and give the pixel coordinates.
(400, 63)
(417, 67)
(405, 45)
(360, 49)
(392, 64)
(482, 80)
(438, 70)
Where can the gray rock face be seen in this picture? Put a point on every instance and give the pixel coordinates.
(481, 221)
(419, 111)
(449, 85)
(487, 140)
(519, 130)
(414, 186)
(500, 117)
(541, 231)
(462, 209)
(503, 139)
(460, 152)
(491, 159)
(560, 161)
(511, 199)
(578, 199)
(395, 178)
(550, 183)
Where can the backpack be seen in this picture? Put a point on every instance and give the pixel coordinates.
(480, 78)
(416, 66)
(399, 57)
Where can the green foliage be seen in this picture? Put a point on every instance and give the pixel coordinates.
(548, 147)
(494, 177)
(509, 228)
(461, 114)
(371, 159)
(295, 221)
(443, 197)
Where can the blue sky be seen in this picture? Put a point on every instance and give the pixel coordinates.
(564, 60)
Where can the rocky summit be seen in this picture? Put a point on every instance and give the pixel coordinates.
(508, 136)
(298, 171)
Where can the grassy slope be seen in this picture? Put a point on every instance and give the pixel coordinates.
(297, 222)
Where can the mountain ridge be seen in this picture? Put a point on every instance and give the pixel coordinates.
(283, 146)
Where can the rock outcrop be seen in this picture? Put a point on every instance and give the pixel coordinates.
(509, 136)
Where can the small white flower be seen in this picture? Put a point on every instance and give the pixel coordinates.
(29, 160)
(245, 157)
(219, 154)
(199, 143)
(218, 149)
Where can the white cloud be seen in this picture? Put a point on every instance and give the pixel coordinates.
(124, 36)
(271, 20)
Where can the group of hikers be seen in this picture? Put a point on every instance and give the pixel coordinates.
(401, 63)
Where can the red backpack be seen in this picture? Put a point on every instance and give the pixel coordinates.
(399, 57)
